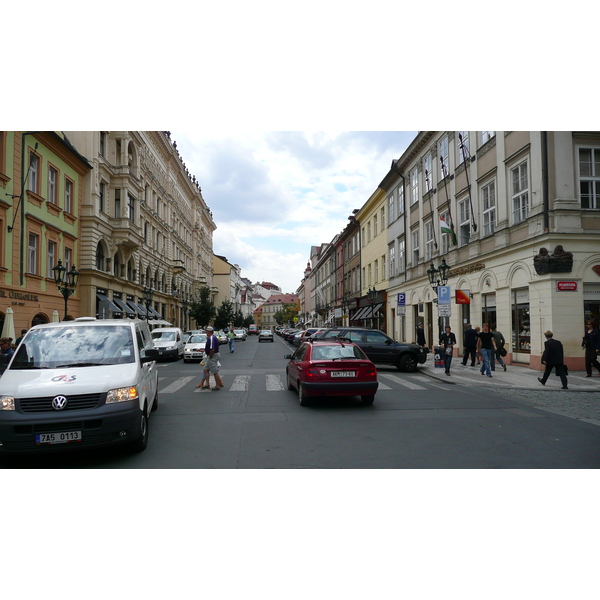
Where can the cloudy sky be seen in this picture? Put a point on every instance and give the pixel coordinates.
(274, 194)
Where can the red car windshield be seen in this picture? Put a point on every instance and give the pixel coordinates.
(337, 352)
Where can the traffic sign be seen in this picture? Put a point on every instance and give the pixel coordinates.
(401, 299)
(444, 310)
(443, 294)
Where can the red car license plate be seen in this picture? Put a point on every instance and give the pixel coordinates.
(343, 373)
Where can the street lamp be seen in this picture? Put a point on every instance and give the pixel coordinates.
(147, 294)
(66, 281)
(372, 296)
(443, 271)
(345, 305)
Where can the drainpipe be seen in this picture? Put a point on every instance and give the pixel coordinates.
(545, 198)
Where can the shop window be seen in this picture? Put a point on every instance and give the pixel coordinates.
(488, 309)
(521, 332)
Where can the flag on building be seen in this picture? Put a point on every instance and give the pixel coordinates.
(450, 230)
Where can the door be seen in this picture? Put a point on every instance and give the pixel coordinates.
(379, 347)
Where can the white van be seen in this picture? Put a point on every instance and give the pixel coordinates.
(169, 342)
(80, 383)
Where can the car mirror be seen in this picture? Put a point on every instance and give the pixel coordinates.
(288, 356)
(389, 342)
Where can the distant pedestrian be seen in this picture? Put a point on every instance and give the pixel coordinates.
(470, 344)
(421, 335)
(486, 345)
(500, 351)
(7, 351)
(231, 340)
(591, 343)
(18, 340)
(447, 341)
(553, 357)
(478, 356)
(211, 352)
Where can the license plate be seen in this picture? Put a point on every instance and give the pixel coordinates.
(58, 438)
(343, 373)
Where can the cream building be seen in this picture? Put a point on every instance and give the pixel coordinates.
(144, 226)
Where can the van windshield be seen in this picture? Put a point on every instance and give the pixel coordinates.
(164, 336)
(79, 346)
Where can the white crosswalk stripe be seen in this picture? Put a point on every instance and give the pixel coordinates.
(382, 386)
(409, 384)
(176, 385)
(240, 383)
(274, 383)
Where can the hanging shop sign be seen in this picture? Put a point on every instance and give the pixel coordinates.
(463, 297)
(566, 286)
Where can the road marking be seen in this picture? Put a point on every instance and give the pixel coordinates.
(176, 385)
(274, 383)
(404, 382)
(382, 386)
(240, 383)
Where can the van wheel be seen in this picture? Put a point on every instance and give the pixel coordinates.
(140, 444)
(155, 403)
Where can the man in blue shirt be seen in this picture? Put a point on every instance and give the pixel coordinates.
(211, 352)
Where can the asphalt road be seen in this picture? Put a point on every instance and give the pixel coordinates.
(416, 422)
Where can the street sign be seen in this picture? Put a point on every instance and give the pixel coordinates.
(444, 310)
(401, 311)
(402, 299)
(443, 294)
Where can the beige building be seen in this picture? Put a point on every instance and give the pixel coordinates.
(509, 196)
(144, 226)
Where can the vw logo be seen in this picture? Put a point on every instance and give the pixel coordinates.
(59, 402)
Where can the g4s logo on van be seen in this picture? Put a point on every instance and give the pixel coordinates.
(65, 378)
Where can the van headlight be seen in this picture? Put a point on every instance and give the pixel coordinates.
(122, 395)
(7, 403)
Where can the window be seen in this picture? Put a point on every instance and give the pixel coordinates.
(415, 245)
(462, 146)
(382, 218)
(69, 196)
(443, 152)
(376, 271)
(400, 200)
(32, 254)
(429, 240)
(369, 276)
(464, 218)
(391, 215)
(364, 238)
(520, 193)
(131, 208)
(101, 196)
(100, 258)
(383, 267)
(68, 262)
(414, 187)
(427, 161)
(401, 256)
(52, 177)
(589, 177)
(34, 166)
(486, 136)
(117, 203)
(488, 202)
(374, 226)
(368, 232)
(392, 262)
(445, 237)
(51, 259)
(102, 143)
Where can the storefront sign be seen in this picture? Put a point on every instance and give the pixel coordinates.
(566, 286)
(466, 270)
(463, 297)
(18, 295)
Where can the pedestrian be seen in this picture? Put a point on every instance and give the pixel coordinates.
(231, 340)
(500, 351)
(421, 335)
(478, 356)
(553, 357)
(213, 363)
(486, 345)
(470, 343)
(6, 350)
(447, 341)
(18, 340)
(591, 343)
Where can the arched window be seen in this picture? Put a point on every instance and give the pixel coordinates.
(100, 257)
(116, 265)
(130, 270)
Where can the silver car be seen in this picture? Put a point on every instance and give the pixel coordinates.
(194, 347)
(265, 335)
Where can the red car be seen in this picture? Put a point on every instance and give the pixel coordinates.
(331, 368)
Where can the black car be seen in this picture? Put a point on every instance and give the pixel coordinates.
(381, 348)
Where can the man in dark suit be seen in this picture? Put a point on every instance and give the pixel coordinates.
(553, 357)
(470, 344)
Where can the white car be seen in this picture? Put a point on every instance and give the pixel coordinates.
(169, 342)
(240, 334)
(265, 335)
(194, 347)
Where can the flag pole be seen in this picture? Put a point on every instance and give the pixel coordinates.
(448, 201)
(465, 158)
(431, 207)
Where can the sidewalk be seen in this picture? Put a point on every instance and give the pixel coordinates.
(515, 376)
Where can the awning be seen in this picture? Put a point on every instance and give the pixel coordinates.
(366, 312)
(154, 313)
(123, 307)
(136, 308)
(160, 322)
(111, 306)
(358, 316)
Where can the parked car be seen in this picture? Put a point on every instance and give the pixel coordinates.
(194, 347)
(169, 342)
(222, 337)
(253, 329)
(380, 348)
(331, 368)
(188, 334)
(304, 335)
(265, 335)
(289, 334)
(240, 335)
(77, 384)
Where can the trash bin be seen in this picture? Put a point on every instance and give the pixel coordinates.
(438, 356)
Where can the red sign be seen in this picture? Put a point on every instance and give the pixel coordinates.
(463, 297)
(566, 286)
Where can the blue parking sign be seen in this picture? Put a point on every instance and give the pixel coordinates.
(443, 294)
(402, 299)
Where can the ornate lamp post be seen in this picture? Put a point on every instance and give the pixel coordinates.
(147, 294)
(65, 281)
(345, 305)
(438, 277)
(372, 296)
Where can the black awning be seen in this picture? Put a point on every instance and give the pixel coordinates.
(154, 313)
(124, 308)
(136, 308)
(111, 306)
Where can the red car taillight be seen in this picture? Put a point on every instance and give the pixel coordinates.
(312, 373)
(371, 373)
